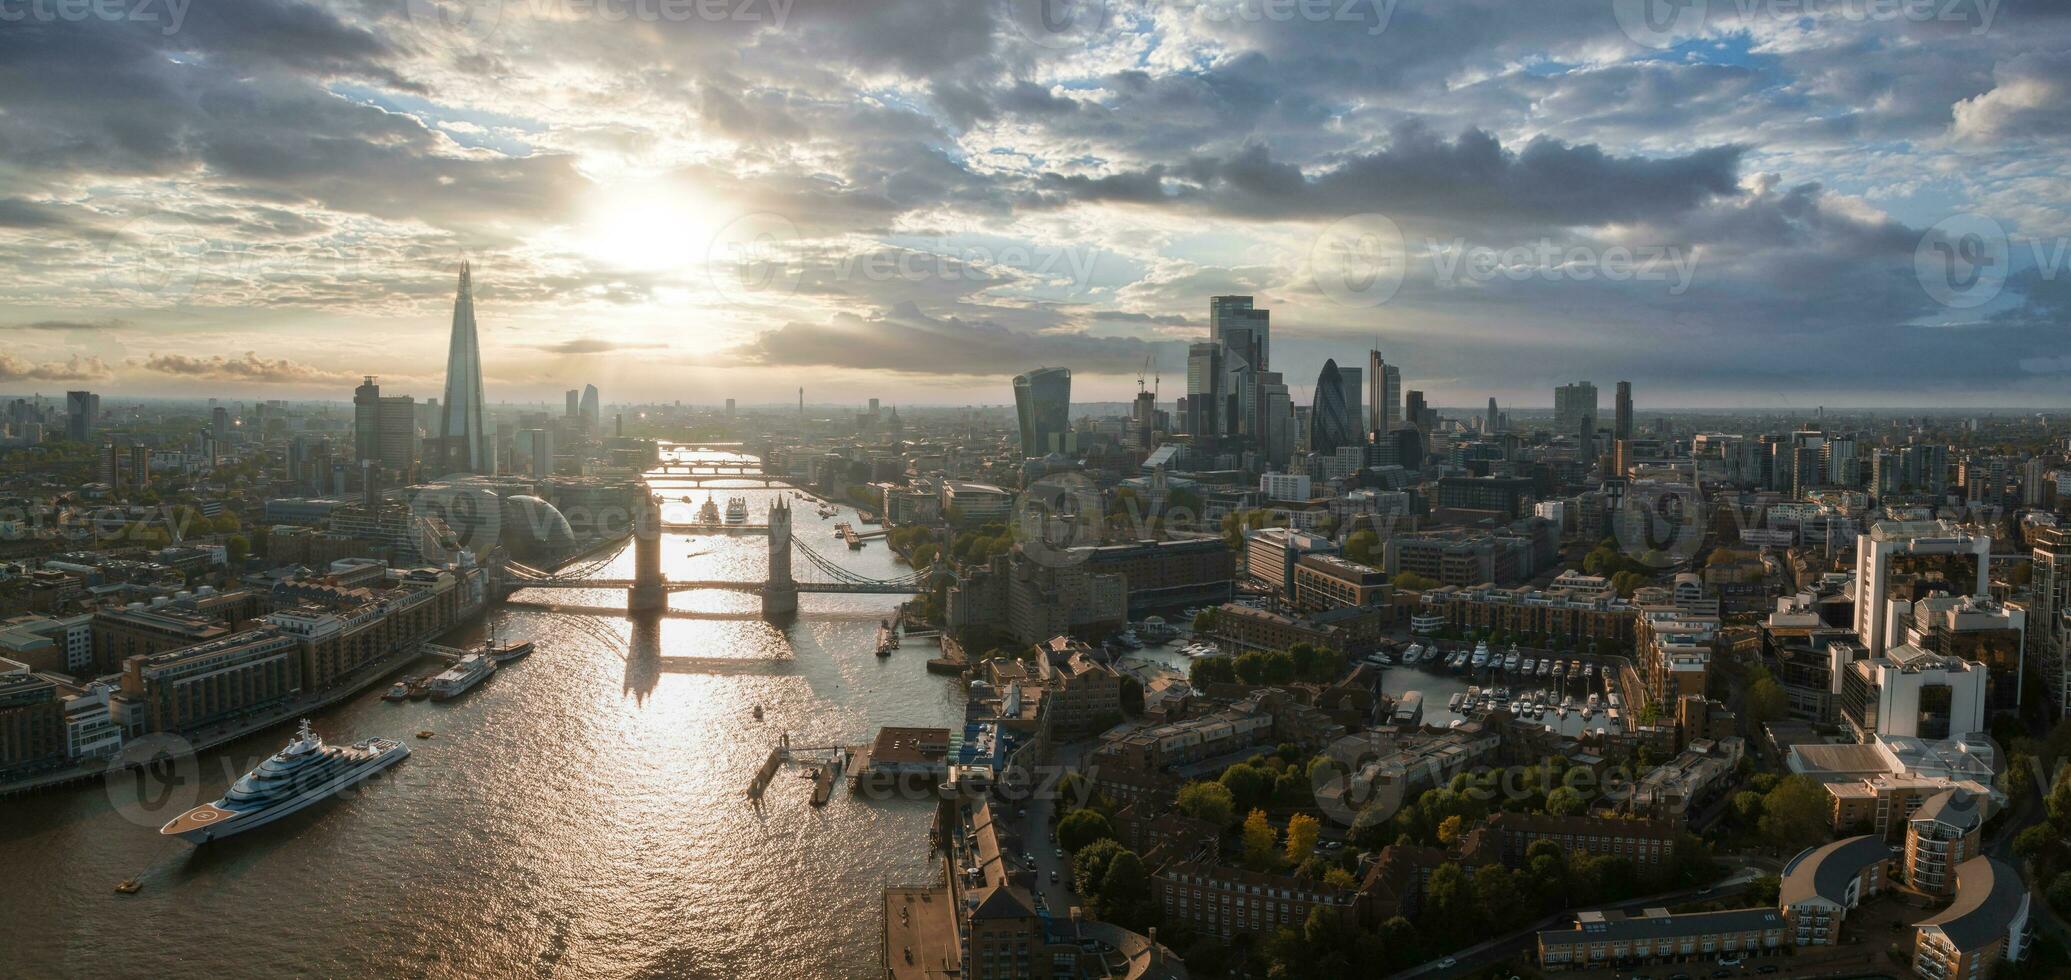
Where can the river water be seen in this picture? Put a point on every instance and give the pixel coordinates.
(579, 814)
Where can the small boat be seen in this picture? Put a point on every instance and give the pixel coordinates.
(128, 886)
(398, 692)
(426, 733)
(508, 652)
(758, 712)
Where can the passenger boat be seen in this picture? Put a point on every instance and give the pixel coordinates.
(295, 778)
(708, 513)
(456, 680)
(737, 510)
(397, 692)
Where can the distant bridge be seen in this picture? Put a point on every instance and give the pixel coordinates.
(648, 589)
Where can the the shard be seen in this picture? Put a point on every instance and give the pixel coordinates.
(462, 420)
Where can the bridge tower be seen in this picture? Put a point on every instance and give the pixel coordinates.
(647, 595)
(780, 593)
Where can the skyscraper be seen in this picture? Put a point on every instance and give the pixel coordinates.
(1384, 389)
(1331, 423)
(384, 430)
(1246, 337)
(1415, 412)
(1276, 419)
(1205, 381)
(1574, 410)
(592, 413)
(574, 403)
(462, 436)
(1621, 422)
(79, 415)
(1042, 404)
(1494, 420)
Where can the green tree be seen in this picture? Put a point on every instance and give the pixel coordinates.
(1363, 546)
(1412, 582)
(1081, 827)
(1766, 701)
(1211, 670)
(236, 550)
(1211, 802)
(1249, 785)
(1794, 814)
(1566, 801)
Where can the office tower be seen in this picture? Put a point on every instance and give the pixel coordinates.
(2049, 626)
(1494, 421)
(1245, 335)
(876, 411)
(1384, 392)
(592, 417)
(1042, 406)
(79, 415)
(1574, 409)
(1237, 326)
(1331, 423)
(1204, 391)
(462, 437)
(801, 402)
(384, 429)
(1414, 411)
(1276, 419)
(366, 419)
(729, 408)
(1352, 381)
(139, 466)
(574, 397)
(536, 447)
(1143, 417)
(113, 473)
(1621, 420)
(219, 422)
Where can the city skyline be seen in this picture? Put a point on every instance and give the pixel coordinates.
(1717, 212)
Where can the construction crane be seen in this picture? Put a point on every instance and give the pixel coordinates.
(1140, 372)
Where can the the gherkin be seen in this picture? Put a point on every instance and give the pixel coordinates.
(1331, 424)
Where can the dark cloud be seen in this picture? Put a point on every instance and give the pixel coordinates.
(69, 325)
(249, 367)
(75, 368)
(907, 341)
(593, 345)
(1472, 178)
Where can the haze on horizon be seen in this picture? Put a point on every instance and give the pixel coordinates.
(917, 199)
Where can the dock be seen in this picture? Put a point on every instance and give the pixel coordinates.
(847, 532)
(824, 764)
(760, 783)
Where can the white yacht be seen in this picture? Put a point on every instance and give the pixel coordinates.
(1510, 660)
(1530, 665)
(464, 674)
(1481, 655)
(304, 773)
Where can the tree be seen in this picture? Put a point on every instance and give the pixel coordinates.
(1260, 850)
(1412, 582)
(1302, 831)
(236, 550)
(1340, 878)
(1082, 827)
(1449, 830)
(1211, 670)
(1794, 814)
(1132, 695)
(1766, 701)
(1211, 802)
(2060, 893)
(1566, 801)
(1249, 785)
(1125, 891)
(1747, 807)
(1089, 866)
(1499, 896)
(1204, 621)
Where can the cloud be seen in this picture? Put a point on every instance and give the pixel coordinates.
(907, 341)
(70, 325)
(591, 345)
(74, 368)
(2030, 99)
(1470, 179)
(250, 367)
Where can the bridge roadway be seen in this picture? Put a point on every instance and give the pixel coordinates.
(874, 588)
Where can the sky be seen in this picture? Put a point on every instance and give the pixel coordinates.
(1770, 203)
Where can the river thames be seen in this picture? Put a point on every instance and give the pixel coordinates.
(579, 814)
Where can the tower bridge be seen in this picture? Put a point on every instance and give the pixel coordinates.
(648, 589)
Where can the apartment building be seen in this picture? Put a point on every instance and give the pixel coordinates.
(1649, 844)
(1821, 884)
(1578, 618)
(1605, 937)
(1942, 834)
(1986, 925)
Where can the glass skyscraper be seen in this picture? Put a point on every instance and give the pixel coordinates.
(1042, 404)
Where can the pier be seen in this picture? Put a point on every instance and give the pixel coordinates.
(824, 762)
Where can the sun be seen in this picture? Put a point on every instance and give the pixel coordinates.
(649, 226)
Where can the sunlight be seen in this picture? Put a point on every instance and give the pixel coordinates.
(647, 226)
